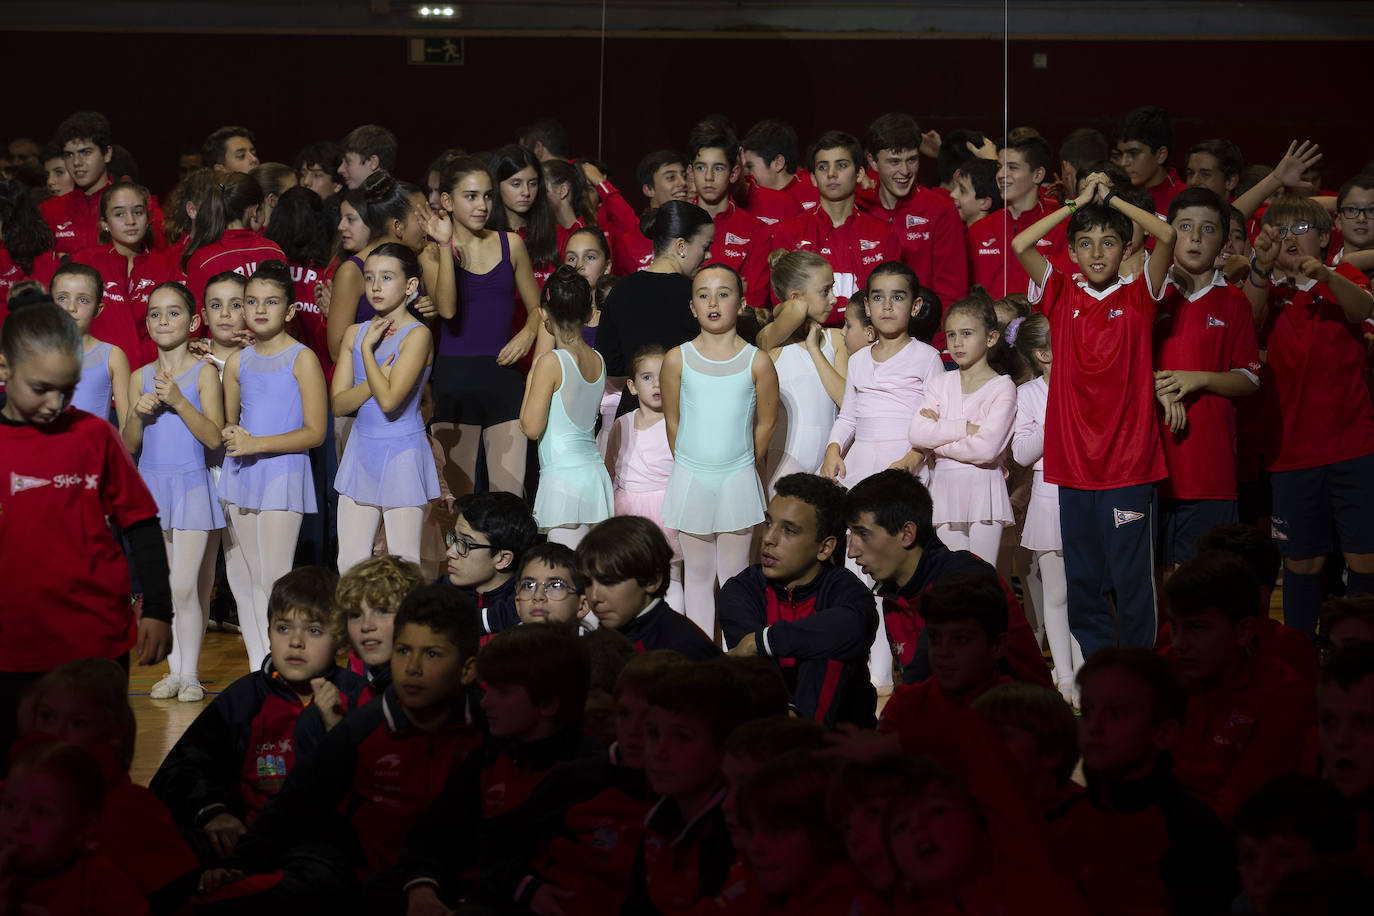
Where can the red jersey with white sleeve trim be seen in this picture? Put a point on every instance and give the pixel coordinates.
(742, 242)
(1318, 359)
(68, 593)
(308, 324)
(1165, 192)
(995, 266)
(1101, 431)
(124, 307)
(931, 235)
(633, 251)
(239, 250)
(853, 249)
(1212, 330)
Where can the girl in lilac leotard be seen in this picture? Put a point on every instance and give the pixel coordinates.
(276, 406)
(387, 473)
(476, 385)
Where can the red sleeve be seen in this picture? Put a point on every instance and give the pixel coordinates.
(620, 217)
(949, 252)
(1243, 343)
(122, 492)
(755, 270)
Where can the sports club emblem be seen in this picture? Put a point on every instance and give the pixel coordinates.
(732, 239)
(1125, 517)
(1114, 313)
(866, 245)
(21, 482)
(1215, 322)
(912, 220)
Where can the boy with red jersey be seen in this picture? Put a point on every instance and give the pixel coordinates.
(1206, 355)
(741, 241)
(1105, 454)
(1022, 165)
(662, 176)
(1322, 467)
(1355, 220)
(851, 241)
(815, 619)
(778, 190)
(1248, 714)
(1215, 165)
(1145, 138)
(925, 221)
(86, 148)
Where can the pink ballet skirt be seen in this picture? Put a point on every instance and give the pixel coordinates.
(966, 494)
(1041, 531)
(648, 504)
(643, 463)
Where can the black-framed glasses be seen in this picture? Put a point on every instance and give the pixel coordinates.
(1357, 212)
(1295, 229)
(554, 589)
(460, 545)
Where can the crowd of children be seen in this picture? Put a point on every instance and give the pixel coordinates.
(1030, 456)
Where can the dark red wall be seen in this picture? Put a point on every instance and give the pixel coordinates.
(161, 90)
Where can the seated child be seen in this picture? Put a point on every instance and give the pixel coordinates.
(795, 856)
(548, 587)
(966, 618)
(748, 748)
(1180, 859)
(1248, 713)
(1293, 822)
(380, 770)
(797, 608)
(238, 752)
(1041, 736)
(1257, 549)
(1345, 621)
(685, 853)
(368, 596)
(625, 563)
(1345, 707)
(580, 861)
(969, 848)
(49, 816)
(87, 703)
(536, 682)
(609, 652)
(490, 534)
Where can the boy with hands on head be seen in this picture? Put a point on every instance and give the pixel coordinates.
(1106, 455)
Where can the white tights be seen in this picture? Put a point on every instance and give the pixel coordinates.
(268, 541)
(188, 555)
(706, 560)
(982, 539)
(568, 535)
(358, 524)
(1064, 650)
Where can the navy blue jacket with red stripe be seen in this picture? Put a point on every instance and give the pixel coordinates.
(371, 779)
(819, 634)
(239, 750)
(661, 627)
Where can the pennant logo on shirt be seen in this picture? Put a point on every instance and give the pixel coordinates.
(732, 239)
(809, 205)
(913, 220)
(1124, 517)
(1215, 322)
(1114, 313)
(768, 220)
(866, 245)
(20, 482)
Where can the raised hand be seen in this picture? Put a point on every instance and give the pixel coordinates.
(439, 227)
(1297, 160)
(1266, 248)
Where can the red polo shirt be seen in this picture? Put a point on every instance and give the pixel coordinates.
(853, 249)
(931, 234)
(742, 242)
(995, 265)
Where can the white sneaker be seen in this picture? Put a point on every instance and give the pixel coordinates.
(191, 692)
(166, 688)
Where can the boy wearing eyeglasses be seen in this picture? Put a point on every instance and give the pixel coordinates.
(1322, 466)
(549, 588)
(1355, 219)
(492, 531)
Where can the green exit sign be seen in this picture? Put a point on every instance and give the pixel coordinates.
(443, 51)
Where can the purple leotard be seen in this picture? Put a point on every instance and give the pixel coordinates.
(270, 404)
(93, 389)
(486, 303)
(173, 462)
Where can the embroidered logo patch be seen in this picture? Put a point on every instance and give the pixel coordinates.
(1115, 313)
(866, 245)
(914, 220)
(732, 239)
(1125, 517)
(19, 483)
(1215, 322)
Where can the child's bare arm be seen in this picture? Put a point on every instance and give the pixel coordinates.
(1032, 261)
(540, 388)
(1157, 266)
(118, 365)
(1287, 174)
(670, 384)
(1357, 303)
(765, 404)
